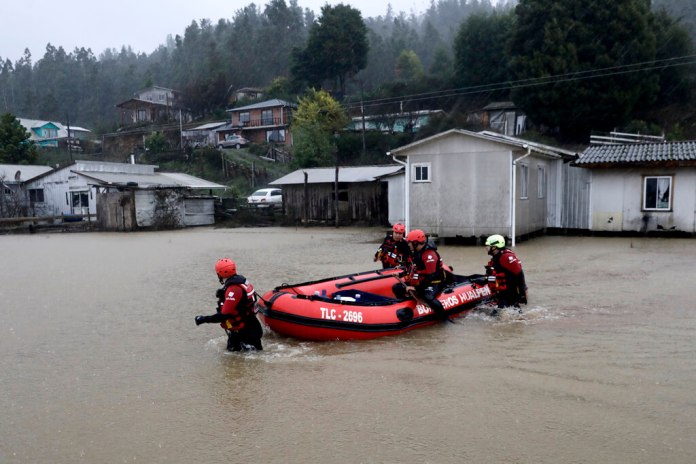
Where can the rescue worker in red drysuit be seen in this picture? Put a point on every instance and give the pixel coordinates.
(394, 250)
(235, 309)
(506, 277)
(426, 277)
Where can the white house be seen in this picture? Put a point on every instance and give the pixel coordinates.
(124, 196)
(642, 187)
(14, 198)
(468, 184)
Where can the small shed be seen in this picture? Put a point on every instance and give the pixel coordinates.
(125, 196)
(642, 187)
(308, 194)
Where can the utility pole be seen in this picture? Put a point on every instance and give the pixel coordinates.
(68, 139)
(336, 184)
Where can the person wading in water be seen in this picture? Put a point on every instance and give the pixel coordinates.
(235, 309)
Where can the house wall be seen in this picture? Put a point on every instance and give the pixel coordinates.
(575, 206)
(157, 95)
(199, 211)
(116, 211)
(617, 196)
(531, 213)
(464, 174)
(58, 189)
(158, 208)
(359, 202)
(469, 193)
(395, 194)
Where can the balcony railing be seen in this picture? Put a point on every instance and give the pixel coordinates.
(265, 122)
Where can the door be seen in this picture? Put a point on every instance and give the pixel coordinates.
(80, 203)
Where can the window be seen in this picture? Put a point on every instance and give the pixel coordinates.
(244, 119)
(541, 182)
(657, 193)
(524, 181)
(275, 135)
(80, 199)
(36, 196)
(421, 172)
(267, 117)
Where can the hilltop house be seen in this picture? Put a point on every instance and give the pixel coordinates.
(266, 121)
(153, 105)
(52, 134)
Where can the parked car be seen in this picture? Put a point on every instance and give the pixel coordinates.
(233, 141)
(266, 197)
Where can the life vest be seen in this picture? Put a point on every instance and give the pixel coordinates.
(244, 308)
(418, 266)
(392, 253)
(499, 277)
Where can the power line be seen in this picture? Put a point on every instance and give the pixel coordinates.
(536, 81)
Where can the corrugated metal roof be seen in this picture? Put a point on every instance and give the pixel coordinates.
(210, 125)
(37, 123)
(345, 174)
(547, 150)
(634, 153)
(502, 105)
(149, 181)
(264, 104)
(26, 172)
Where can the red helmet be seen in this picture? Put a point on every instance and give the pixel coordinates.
(399, 228)
(417, 236)
(225, 268)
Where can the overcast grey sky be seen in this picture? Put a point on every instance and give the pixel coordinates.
(142, 24)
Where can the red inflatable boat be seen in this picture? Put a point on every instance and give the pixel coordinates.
(361, 306)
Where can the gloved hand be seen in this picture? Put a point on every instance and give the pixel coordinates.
(199, 320)
(220, 293)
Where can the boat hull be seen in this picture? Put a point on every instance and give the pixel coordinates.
(360, 307)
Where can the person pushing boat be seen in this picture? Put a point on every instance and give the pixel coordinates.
(426, 277)
(394, 250)
(505, 274)
(235, 309)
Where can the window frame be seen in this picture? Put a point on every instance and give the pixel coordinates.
(37, 194)
(417, 173)
(524, 181)
(267, 117)
(644, 192)
(541, 181)
(280, 135)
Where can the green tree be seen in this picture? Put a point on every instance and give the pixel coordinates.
(317, 119)
(481, 57)
(408, 66)
(156, 142)
(574, 39)
(15, 146)
(336, 49)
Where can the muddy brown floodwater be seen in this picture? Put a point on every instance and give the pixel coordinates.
(100, 360)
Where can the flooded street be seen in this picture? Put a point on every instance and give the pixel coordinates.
(101, 362)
